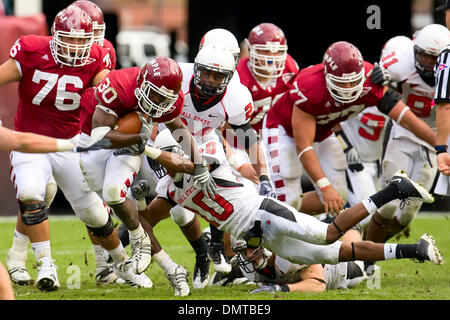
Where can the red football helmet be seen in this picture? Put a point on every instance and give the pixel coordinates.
(97, 18)
(158, 85)
(73, 36)
(344, 71)
(267, 50)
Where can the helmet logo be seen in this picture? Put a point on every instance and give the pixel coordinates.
(258, 30)
(156, 69)
(330, 61)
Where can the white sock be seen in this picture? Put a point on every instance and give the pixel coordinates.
(163, 260)
(41, 249)
(389, 251)
(137, 233)
(101, 255)
(20, 242)
(118, 254)
(370, 206)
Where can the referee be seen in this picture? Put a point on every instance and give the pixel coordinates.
(442, 100)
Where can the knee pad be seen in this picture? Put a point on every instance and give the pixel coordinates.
(95, 216)
(50, 193)
(102, 232)
(181, 216)
(33, 213)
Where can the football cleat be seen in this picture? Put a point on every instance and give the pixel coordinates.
(177, 275)
(106, 275)
(216, 253)
(125, 271)
(410, 189)
(141, 251)
(426, 250)
(47, 278)
(15, 263)
(201, 272)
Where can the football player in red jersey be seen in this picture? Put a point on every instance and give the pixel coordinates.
(303, 118)
(268, 69)
(153, 89)
(20, 240)
(52, 72)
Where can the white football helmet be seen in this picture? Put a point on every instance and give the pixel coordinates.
(394, 44)
(216, 58)
(430, 41)
(222, 37)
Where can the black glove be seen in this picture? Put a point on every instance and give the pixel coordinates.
(267, 288)
(134, 150)
(265, 188)
(100, 144)
(380, 76)
(203, 177)
(353, 160)
(140, 189)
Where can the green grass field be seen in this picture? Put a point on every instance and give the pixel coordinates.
(71, 248)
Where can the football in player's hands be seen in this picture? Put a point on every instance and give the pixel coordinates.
(130, 123)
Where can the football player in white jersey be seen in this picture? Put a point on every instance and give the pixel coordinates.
(410, 64)
(264, 221)
(362, 140)
(212, 99)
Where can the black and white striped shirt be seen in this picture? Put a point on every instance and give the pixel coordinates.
(442, 71)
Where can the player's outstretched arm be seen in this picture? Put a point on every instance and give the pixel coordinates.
(9, 72)
(304, 130)
(443, 133)
(171, 161)
(31, 142)
(201, 173)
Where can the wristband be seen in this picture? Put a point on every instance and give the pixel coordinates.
(323, 183)
(64, 145)
(304, 150)
(440, 149)
(402, 114)
(152, 152)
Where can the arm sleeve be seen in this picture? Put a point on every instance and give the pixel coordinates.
(442, 70)
(240, 109)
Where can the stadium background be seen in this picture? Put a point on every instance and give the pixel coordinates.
(310, 26)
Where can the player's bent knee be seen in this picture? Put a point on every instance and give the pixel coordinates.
(95, 215)
(104, 231)
(181, 216)
(114, 194)
(33, 213)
